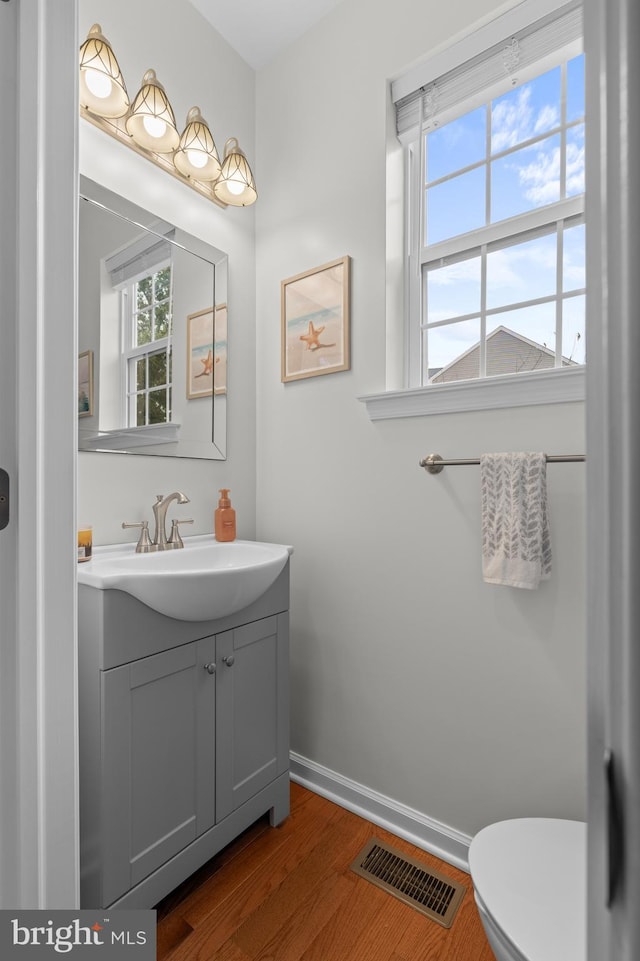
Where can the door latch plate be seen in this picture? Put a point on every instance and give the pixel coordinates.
(4, 499)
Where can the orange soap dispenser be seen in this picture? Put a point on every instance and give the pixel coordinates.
(225, 518)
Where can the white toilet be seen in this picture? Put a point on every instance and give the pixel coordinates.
(529, 878)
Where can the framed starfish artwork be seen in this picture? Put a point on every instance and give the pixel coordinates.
(85, 384)
(315, 321)
(207, 352)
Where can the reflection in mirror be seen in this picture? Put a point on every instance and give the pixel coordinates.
(152, 334)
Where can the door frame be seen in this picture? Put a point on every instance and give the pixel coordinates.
(612, 34)
(38, 680)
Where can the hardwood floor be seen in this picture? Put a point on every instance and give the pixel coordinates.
(288, 894)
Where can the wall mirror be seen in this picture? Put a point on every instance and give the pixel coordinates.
(152, 333)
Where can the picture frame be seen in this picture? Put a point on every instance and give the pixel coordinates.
(206, 353)
(85, 384)
(315, 321)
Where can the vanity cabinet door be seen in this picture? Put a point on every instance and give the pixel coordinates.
(158, 761)
(252, 710)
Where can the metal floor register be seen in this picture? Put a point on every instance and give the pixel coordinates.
(426, 890)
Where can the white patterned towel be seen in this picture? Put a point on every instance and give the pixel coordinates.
(516, 546)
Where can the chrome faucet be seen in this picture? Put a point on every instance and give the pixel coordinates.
(160, 541)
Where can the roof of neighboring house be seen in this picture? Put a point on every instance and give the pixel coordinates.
(508, 352)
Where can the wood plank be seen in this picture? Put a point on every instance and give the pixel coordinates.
(297, 891)
(272, 892)
(356, 915)
(289, 942)
(171, 930)
(196, 884)
(273, 855)
(288, 894)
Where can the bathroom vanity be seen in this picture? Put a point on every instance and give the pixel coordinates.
(183, 738)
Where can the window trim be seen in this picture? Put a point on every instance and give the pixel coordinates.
(528, 389)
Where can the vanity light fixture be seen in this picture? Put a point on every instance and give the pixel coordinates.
(148, 126)
(150, 121)
(236, 184)
(196, 155)
(102, 87)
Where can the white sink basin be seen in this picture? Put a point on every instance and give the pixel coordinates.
(203, 581)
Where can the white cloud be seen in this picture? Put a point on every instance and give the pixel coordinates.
(514, 119)
(454, 290)
(575, 168)
(522, 272)
(548, 117)
(541, 178)
(510, 120)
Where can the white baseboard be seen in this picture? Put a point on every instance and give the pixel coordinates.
(432, 836)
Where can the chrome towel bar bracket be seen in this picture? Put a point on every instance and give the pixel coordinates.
(432, 463)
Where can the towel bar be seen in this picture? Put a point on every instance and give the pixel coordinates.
(434, 463)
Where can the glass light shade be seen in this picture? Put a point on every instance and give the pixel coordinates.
(235, 185)
(151, 122)
(102, 87)
(196, 156)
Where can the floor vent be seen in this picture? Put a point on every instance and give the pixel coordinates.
(424, 889)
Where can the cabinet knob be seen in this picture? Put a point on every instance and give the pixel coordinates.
(210, 668)
(229, 661)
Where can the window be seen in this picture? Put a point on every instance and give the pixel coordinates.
(146, 354)
(493, 132)
(502, 252)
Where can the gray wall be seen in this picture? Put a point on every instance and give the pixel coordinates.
(411, 676)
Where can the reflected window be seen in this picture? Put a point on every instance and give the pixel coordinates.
(141, 275)
(146, 355)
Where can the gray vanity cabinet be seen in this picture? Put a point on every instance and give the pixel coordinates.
(158, 761)
(183, 739)
(251, 712)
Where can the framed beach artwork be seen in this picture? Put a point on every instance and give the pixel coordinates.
(85, 383)
(315, 321)
(206, 353)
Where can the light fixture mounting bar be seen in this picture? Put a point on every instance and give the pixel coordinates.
(116, 129)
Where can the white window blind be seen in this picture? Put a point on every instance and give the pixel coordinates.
(427, 96)
(138, 259)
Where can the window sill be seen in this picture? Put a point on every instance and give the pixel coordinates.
(129, 438)
(510, 390)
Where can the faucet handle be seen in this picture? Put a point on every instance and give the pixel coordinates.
(175, 540)
(144, 544)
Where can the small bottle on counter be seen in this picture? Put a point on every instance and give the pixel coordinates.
(85, 543)
(225, 518)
